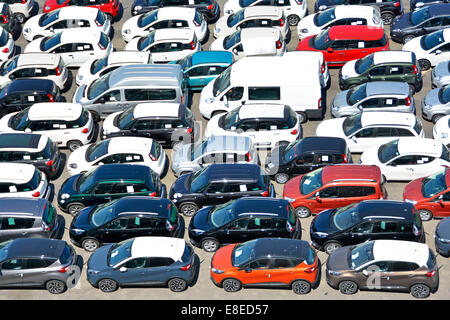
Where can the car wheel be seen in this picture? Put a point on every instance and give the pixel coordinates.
(55, 286)
(424, 64)
(293, 19)
(425, 215)
(20, 18)
(231, 285)
(177, 285)
(90, 244)
(302, 117)
(302, 212)
(74, 208)
(74, 145)
(348, 287)
(420, 290)
(331, 246)
(301, 287)
(281, 178)
(387, 17)
(436, 117)
(408, 38)
(188, 209)
(107, 285)
(210, 245)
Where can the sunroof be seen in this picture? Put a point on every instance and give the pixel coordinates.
(14, 140)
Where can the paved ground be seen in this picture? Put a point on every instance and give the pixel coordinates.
(204, 289)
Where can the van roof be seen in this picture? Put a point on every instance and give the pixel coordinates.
(146, 75)
(351, 172)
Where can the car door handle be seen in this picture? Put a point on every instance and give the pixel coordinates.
(365, 51)
(410, 169)
(20, 275)
(268, 275)
(219, 197)
(341, 53)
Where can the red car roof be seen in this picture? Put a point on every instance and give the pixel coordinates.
(350, 172)
(353, 32)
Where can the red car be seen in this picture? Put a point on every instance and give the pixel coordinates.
(109, 7)
(340, 44)
(430, 195)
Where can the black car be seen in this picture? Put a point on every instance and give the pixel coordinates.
(442, 237)
(22, 93)
(366, 220)
(209, 9)
(123, 219)
(388, 8)
(36, 149)
(217, 184)
(305, 155)
(242, 220)
(417, 4)
(105, 183)
(420, 22)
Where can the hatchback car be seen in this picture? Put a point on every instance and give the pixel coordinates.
(440, 76)
(109, 7)
(398, 265)
(140, 261)
(23, 180)
(374, 96)
(363, 221)
(441, 130)
(125, 218)
(442, 237)
(333, 187)
(29, 218)
(7, 19)
(340, 44)
(217, 184)
(436, 104)
(21, 9)
(7, 48)
(39, 263)
(305, 155)
(272, 262)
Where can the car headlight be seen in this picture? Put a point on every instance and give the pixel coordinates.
(334, 273)
(289, 199)
(304, 31)
(229, 12)
(344, 77)
(198, 231)
(209, 100)
(126, 31)
(177, 195)
(444, 135)
(419, 4)
(426, 106)
(217, 271)
(80, 77)
(270, 165)
(138, 8)
(27, 30)
(73, 165)
(217, 30)
(411, 201)
(322, 7)
(65, 196)
(320, 234)
(78, 231)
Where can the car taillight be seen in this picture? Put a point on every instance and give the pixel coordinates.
(58, 71)
(210, 7)
(408, 101)
(153, 194)
(265, 193)
(281, 22)
(322, 68)
(85, 130)
(189, 130)
(50, 98)
(186, 268)
(36, 194)
(431, 273)
(64, 269)
(6, 50)
(24, 1)
(278, 44)
(248, 158)
(294, 132)
(196, 23)
(344, 158)
(192, 45)
(101, 46)
(98, 23)
(4, 18)
(152, 157)
(397, 4)
(46, 227)
(319, 103)
(310, 270)
(49, 163)
(300, 2)
(414, 69)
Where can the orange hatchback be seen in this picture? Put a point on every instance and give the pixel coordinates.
(333, 187)
(274, 262)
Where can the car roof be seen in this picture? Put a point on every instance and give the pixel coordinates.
(344, 172)
(228, 143)
(74, 12)
(157, 109)
(388, 118)
(17, 173)
(261, 206)
(321, 144)
(279, 247)
(121, 171)
(261, 110)
(439, 9)
(146, 75)
(142, 205)
(387, 87)
(174, 34)
(185, 13)
(65, 111)
(399, 250)
(167, 247)
(393, 56)
(200, 57)
(36, 248)
(74, 35)
(28, 206)
(420, 146)
(38, 58)
(263, 11)
(346, 11)
(358, 32)
(257, 34)
(30, 142)
(29, 85)
(119, 57)
(382, 209)
(129, 144)
(233, 172)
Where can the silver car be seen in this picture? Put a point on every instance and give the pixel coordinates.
(440, 76)
(374, 96)
(436, 104)
(216, 149)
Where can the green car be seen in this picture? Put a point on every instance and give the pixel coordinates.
(108, 182)
(382, 66)
(7, 19)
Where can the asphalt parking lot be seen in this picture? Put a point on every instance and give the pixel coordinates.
(204, 289)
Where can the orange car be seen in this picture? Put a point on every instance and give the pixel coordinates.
(271, 262)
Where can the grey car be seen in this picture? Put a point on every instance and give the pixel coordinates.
(374, 96)
(436, 104)
(440, 76)
(41, 263)
(29, 218)
(442, 237)
(215, 149)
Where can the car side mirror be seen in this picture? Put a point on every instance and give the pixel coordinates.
(365, 272)
(438, 52)
(224, 98)
(330, 50)
(392, 164)
(247, 270)
(123, 269)
(101, 100)
(369, 76)
(134, 130)
(101, 163)
(360, 107)
(12, 77)
(354, 139)
(235, 51)
(27, 130)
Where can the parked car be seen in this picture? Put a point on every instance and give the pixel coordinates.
(382, 66)
(276, 124)
(39, 263)
(365, 130)
(293, 263)
(36, 149)
(215, 149)
(68, 124)
(138, 261)
(217, 184)
(242, 220)
(417, 4)
(22, 180)
(435, 104)
(442, 237)
(7, 21)
(21, 9)
(407, 158)
(110, 8)
(105, 183)
(29, 218)
(340, 44)
(333, 187)
(441, 130)
(7, 48)
(374, 96)
(440, 76)
(125, 218)
(348, 268)
(363, 221)
(305, 155)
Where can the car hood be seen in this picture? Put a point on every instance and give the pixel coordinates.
(222, 25)
(222, 258)
(98, 259)
(108, 123)
(441, 69)
(84, 72)
(217, 45)
(432, 98)
(33, 23)
(413, 45)
(413, 190)
(322, 222)
(132, 45)
(34, 46)
(212, 127)
(78, 157)
(180, 185)
(349, 69)
(182, 155)
(402, 22)
(200, 219)
(292, 188)
(69, 186)
(338, 260)
(331, 128)
(132, 25)
(81, 220)
(79, 96)
(370, 157)
(308, 23)
(443, 229)
(340, 100)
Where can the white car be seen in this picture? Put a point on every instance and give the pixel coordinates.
(339, 15)
(430, 49)
(95, 68)
(74, 18)
(251, 42)
(294, 10)
(440, 76)
(406, 159)
(368, 129)
(441, 130)
(166, 45)
(266, 124)
(21, 9)
(74, 47)
(6, 45)
(163, 18)
(68, 124)
(130, 150)
(252, 17)
(22, 180)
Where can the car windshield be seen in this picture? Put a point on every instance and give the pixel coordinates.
(4, 247)
(222, 82)
(9, 65)
(119, 252)
(51, 42)
(356, 94)
(97, 150)
(102, 213)
(246, 3)
(147, 18)
(186, 62)
(363, 64)
(322, 40)
(388, 151)
(222, 214)
(86, 181)
(146, 41)
(325, 17)
(432, 40)
(20, 121)
(311, 181)
(289, 152)
(420, 15)
(199, 180)
(243, 253)
(352, 124)
(99, 64)
(48, 18)
(232, 40)
(346, 217)
(98, 87)
(235, 17)
(231, 119)
(361, 254)
(444, 94)
(434, 184)
(126, 118)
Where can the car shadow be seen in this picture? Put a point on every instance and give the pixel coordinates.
(166, 167)
(119, 15)
(62, 165)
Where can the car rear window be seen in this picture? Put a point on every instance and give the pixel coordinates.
(100, 19)
(431, 262)
(3, 37)
(445, 155)
(186, 257)
(49, 214)
(310, 256)
(29, 186)
(66, 255)
(155, 150)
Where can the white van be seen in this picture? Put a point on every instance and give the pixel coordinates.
(297, 79)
